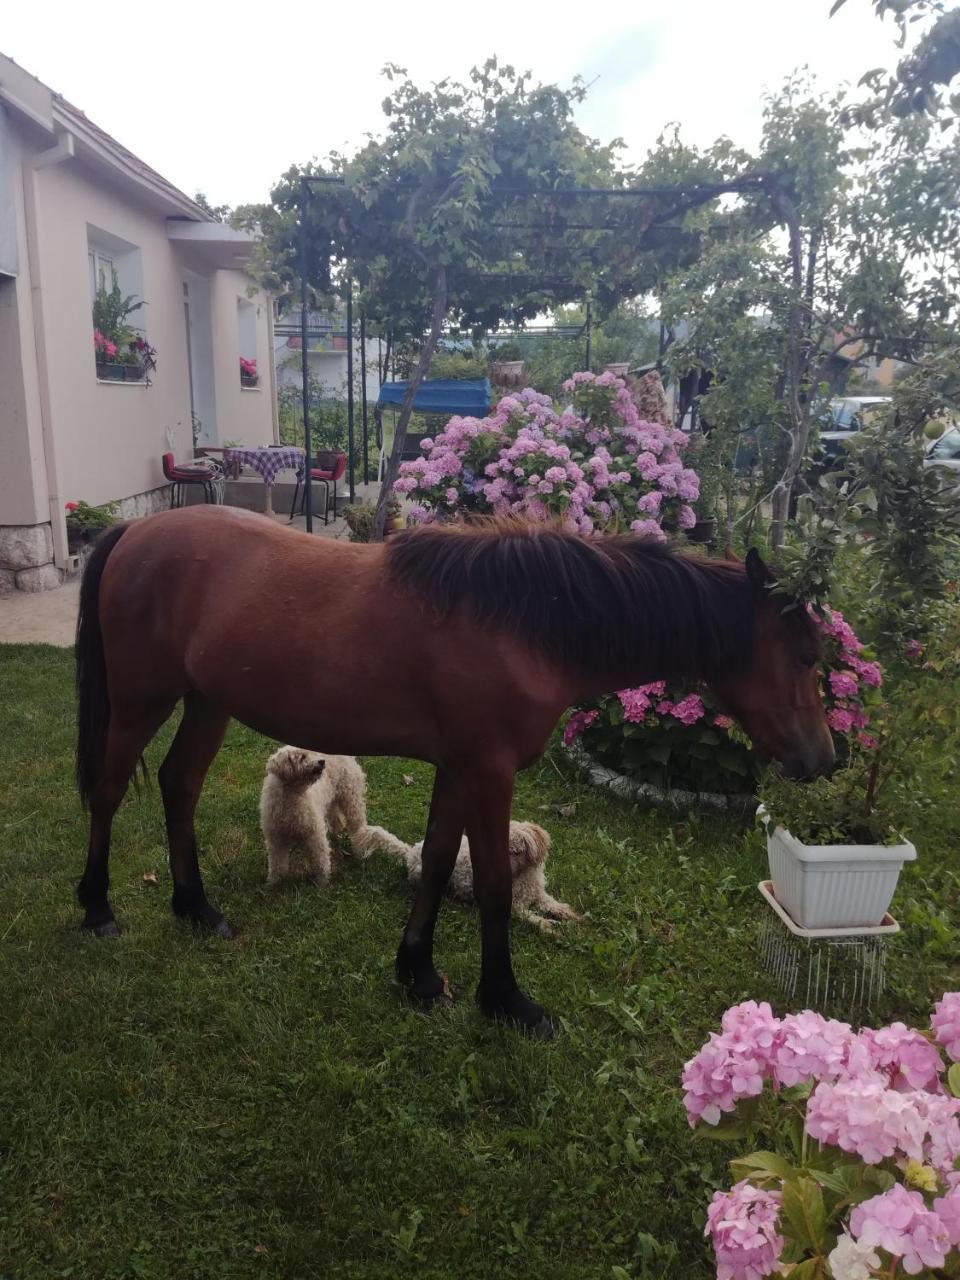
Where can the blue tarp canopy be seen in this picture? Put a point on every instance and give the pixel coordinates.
(469, 397)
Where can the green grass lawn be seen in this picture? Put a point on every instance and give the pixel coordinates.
(172, 1105)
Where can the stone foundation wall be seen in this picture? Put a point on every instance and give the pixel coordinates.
(26, 551)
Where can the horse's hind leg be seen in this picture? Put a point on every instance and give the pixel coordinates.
(488, 825)
(415, 967)
(181, 776)
(128, 733)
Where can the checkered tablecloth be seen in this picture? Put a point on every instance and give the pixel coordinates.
(267, 462)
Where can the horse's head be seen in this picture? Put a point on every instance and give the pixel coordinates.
(777, 698)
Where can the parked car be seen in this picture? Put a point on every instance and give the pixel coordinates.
(944, 454)
(846, 415)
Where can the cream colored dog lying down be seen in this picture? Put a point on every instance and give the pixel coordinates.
(529, 847)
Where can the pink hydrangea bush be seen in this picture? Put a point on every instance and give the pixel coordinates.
(864, 1178)
(595, 464)
(668, 736)
(677, 737)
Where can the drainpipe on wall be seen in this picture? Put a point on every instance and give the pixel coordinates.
(62, 150)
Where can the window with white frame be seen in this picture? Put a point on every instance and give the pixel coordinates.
(247, 342)
(115, 273)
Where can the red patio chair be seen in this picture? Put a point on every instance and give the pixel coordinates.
(209, 476)
(328, 470)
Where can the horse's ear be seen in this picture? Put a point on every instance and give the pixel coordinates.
(758, 575)
(731, 555)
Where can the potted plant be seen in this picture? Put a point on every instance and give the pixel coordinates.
(121, 353)
(359, 519)
(248, 373)
(85, 523)
(836, 845)
(506, 365)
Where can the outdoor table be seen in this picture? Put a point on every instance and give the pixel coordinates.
(268, 463)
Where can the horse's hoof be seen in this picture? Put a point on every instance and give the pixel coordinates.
(106, 929)
(430, 992)
(542, 1030)
(518, 1012)
(222, 930)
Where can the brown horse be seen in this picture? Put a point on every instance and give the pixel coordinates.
(461, 647)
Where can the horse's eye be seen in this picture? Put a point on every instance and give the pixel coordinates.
(809, 660)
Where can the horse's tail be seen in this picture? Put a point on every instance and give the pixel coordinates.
(93, 702)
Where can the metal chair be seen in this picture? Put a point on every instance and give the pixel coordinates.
(328, 470)
(207, 473)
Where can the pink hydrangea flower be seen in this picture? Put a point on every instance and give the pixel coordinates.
(686, 517)
(840, 719)
(722, 722)
(900, 1222)
(947, 1209)
(742, 1224)
(637, 702)
(844, 684)
(867, 741)
(811, 1047)
(648, 529)
(906, 1058)
(727, 1068)
(579, 721)
(946, 1024)
(689, 710)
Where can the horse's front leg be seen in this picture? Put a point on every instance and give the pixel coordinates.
(488, 829)
(415, 967)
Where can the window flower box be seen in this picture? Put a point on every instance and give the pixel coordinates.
(118, 371)
(248, 373)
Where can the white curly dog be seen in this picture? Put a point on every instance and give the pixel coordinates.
(306, 800)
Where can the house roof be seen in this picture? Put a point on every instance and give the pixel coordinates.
(123, 158)
(48, 112)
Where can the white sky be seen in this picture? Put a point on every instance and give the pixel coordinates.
(224, 97)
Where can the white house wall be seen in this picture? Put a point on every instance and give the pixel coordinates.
(109, 436)
(23, 480)
(245, 415)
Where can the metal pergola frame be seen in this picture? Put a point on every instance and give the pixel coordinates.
(687, 197)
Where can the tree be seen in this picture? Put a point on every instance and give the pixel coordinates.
(934, 62)
(844, 249)
(466, 212)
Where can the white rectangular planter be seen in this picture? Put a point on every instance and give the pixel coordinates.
(834, 886)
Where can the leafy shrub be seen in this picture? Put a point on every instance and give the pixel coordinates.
(83, 518)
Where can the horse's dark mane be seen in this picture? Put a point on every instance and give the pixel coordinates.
(615, 602)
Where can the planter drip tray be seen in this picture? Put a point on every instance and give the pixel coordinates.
(839, 972)
(888, 924)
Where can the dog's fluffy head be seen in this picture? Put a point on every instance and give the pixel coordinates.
(529, 845)
(295, 767)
